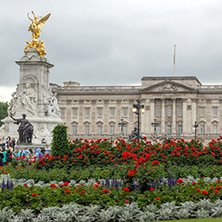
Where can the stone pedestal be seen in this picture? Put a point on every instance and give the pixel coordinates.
(34, 98)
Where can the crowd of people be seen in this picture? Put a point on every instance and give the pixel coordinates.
(8, 151)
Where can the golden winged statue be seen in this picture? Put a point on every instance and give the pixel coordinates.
(37, 23)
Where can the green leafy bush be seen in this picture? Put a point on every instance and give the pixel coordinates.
(60, 141)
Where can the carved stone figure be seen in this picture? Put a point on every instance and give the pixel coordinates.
(52, 109)
(169, 87)
(12, 105)
(25, 129)
(27, 99)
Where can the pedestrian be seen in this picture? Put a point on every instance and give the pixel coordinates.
(1, 157)
(26, 153)
(38, 153)
(8, 156)
(16, 154)
(4, 156)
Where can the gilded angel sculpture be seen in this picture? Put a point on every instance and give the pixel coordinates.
(35, 27)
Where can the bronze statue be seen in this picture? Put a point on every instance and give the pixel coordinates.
(35, 27)
(133, 135)
(25, 129)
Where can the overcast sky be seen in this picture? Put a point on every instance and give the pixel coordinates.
(115, 42)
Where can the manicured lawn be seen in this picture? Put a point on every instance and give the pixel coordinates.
(197, 220)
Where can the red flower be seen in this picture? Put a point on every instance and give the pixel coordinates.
(158, 198)
(65, 184)
(216, 191)
(126, 201)
(76, 189)
(152, 189)
(126, 189)
(83, 191)
(34, 194)
(68, 191)
(218, 188)
(98, 182)
(180, 181)
(155, 162)
(105, 191)
(53, 185)
(212, 188)
(218, 181)
(198, 190)
(26, 185)
(194, 183)
(204, 192)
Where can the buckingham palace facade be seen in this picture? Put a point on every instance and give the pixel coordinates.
(175, 103)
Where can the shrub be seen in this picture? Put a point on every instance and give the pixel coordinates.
(60, 145)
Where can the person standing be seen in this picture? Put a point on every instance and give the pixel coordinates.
(1, 157)
(4, 157)
(17, 154)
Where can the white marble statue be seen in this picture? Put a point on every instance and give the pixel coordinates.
(12, 105)
(52, 109)
(27, 99)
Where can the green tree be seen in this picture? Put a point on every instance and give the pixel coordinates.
(3, 110)
(60, 145)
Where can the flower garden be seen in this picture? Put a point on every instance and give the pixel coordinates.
(120, 181)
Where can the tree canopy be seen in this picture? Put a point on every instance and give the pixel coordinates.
(3, 111)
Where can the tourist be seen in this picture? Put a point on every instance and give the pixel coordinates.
(31, 157)
(4, 157)
(38, 154)
(26, 153)
(0, 143)
(1, 157)
(12, 144)
(16, 154)
(43, 141)
(8, 156)
(8, 141)
(43, 151)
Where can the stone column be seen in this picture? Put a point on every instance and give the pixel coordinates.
(163, 114)
(194, 110)
(174, 117)
(81, 117)
(93, 117)
(106, 118)
(220, 116)
(208, 116)
(184, 116)
(151, 114)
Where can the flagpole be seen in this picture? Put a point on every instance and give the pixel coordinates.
(174, 63)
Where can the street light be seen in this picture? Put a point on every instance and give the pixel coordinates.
(195, 127)
(137, 108)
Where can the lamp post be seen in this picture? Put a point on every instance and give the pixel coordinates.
(121, 125)
(138, 108)
(195, 127)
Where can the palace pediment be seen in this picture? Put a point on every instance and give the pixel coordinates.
(168, 87)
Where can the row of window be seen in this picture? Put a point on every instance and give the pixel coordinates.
(180, 129)
(112, 112)
(99, 129)
(180, 111)
(158, 129)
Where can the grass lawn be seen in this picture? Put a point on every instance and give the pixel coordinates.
(197, 220)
